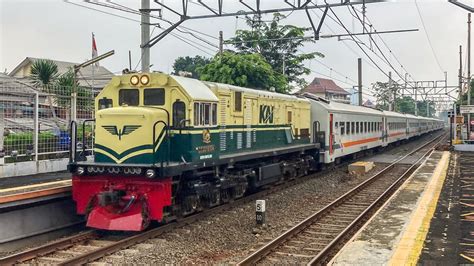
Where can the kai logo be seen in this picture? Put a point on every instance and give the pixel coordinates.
(206, 136)
(121, 132)
(266, 114)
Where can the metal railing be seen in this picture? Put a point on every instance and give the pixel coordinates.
(35, 121)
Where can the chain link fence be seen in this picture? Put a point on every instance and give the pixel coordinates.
(35, 121)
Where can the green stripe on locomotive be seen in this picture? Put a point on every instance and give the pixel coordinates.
(191, 145)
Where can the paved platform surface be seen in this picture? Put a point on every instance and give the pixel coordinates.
(450, 239)
(395, 235)
(18, 181)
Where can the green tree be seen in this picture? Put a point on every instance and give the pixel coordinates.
(44, 73)
(246, 70)
(278, 44)
(381, 94)
(405, 104)
(66, 84)
(463, 99)
(190, 64)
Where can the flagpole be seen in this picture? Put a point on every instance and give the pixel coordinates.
(93, 65)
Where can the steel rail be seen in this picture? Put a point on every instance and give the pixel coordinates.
(124, 243)
(48, 249)
(326, 252)
(269, 247)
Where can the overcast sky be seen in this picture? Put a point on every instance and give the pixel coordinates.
(59, 30)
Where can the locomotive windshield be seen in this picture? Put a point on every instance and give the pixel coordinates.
(128, 97)
(154, 96)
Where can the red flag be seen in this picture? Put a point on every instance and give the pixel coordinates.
(94, 49)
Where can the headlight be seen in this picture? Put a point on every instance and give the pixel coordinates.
(134, 80)
(80, 170)
(150, 173)
(144, 80)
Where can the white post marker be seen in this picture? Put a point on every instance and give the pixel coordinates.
(260, 212)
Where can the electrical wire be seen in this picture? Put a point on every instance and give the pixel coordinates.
(428, 37)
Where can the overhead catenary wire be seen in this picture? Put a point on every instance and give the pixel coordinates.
(187, 41)
(428, 38)
(358, 44)
(385, 59)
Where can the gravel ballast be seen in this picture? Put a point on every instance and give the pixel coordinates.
(230, 236)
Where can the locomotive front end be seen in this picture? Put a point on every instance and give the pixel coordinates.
(122, 188)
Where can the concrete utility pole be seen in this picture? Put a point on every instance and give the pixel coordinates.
(460, 70)
(416, 99)
(427, 107)
(359, 67)
(221, 43)
(145, 28)
(390, 105)
(468, 73)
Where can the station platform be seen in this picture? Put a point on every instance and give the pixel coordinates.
(396, 234)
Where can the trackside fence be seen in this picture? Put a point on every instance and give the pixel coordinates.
(34, 120)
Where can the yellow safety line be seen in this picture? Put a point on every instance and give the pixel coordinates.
(411, 243)
(34, 186)
(467, 257)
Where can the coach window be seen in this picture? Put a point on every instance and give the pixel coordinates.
(348, 128)
(128, 97)
(352, 127)
(179, 113)
(154, 96)
(357, 127)
(342, 128)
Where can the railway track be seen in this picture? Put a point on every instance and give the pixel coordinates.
(92, 245)
(319, 237)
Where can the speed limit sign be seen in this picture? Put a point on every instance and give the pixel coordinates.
(260, 212)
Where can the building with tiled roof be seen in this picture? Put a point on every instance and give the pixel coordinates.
(328, 89)
(90, 76)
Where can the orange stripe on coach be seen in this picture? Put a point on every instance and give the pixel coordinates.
(358, 142)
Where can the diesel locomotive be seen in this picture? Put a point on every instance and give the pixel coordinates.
(166, 146)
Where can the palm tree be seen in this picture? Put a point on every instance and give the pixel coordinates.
(44, 73)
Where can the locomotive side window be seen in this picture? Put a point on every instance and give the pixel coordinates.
(128, 97)
(205, 114)
(196, 114)
(105, 103)
(214, 113)
(179, 113)
(154, 96)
